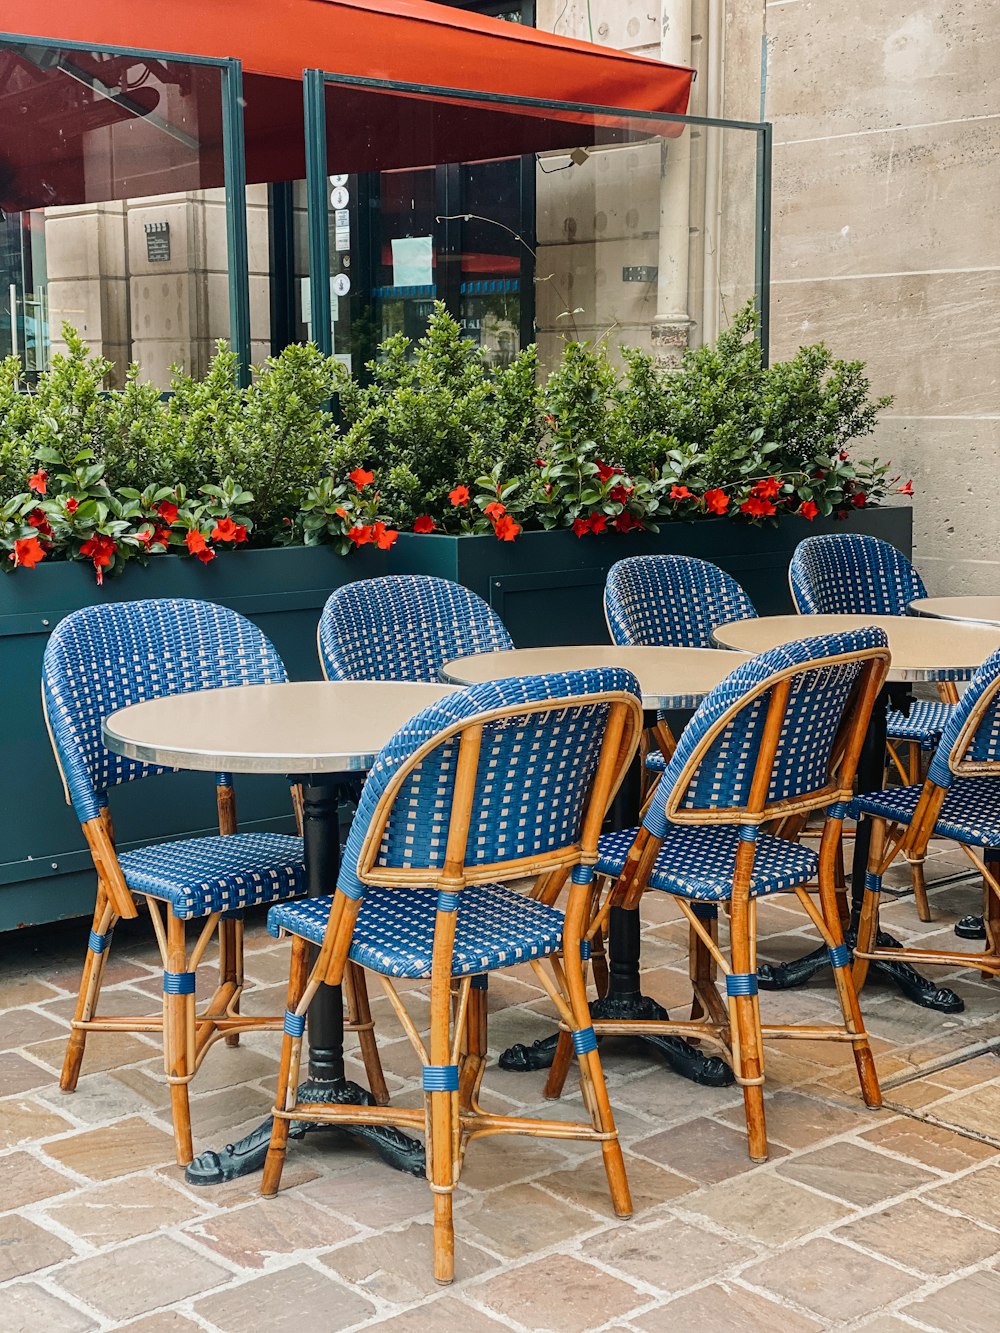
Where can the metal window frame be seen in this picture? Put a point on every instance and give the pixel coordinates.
(234, 167)
(316, 81)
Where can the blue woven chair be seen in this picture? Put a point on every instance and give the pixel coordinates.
(101, 659)
(670, 601)
(960, 799)
(778, 738)
(853, 574)
(404, 627)
(497, 782)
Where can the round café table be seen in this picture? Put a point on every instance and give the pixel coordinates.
(324, 735)
(978, 610)
(922, 650)
(671, 681)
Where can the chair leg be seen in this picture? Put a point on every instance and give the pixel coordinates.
(920, 889)
(288, 1071)
(561, 1061)
(231, 964)
(441, 1113)
(868, 924)
(90, 989)
(848, 997)
(746, 1016)
(913, 762)
(178, 1040)
(359, 1010)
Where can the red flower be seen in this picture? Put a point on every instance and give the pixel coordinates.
(361, 478)
(620, 494)
(423, 524)
(581, 526)
(36, 519)
(100, 551)
(37, 482)
(843, 455)
(626, 523)
(383, 537)
(361, 534)
(145, 536)
(539, 462)
(167, 510)
(72, 505)
(27, 552)
(756, 507)
(716, 501)
(495, 510)
(459, 496)
(228, 531)
(765, 490)
(161, 535)
(506, 529)
(859, 500)
(604, 472)
(905, 490)
(680, 493)
(196, 542)
(808, 509)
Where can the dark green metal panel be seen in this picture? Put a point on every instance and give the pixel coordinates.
(237, 256)
(317, 200)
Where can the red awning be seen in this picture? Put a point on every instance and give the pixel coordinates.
(79, 126)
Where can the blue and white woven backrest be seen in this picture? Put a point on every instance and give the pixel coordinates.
(820, 693)
(404, 627)
(103, 658)
(971, 749)
(533, 781)
(852, 574)
(671, 601)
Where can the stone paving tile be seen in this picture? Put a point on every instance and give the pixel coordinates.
(931, 1145)
(968, 1305)
(124, 1209)
(20, 1075)
(923, 1238)
(855, 1174)
(139, 1277)
(25, 1247)
(26, 1027)
(724, 1309)
(558, 1294)
(116, 1150)
(706, 1151)
(833, 1281)
(375, 1198)
(766, 1208)
(521, 1219)
(797, 1120)
(587, 1185)
(167, 1321)
(445, 1313)
(288, 1301)
(27, 1180)
(978, 1111)
(26, 1307)
(399, 1265)
(23, 1121)
(975, 1195)
(248, 1237)
(670, 1255)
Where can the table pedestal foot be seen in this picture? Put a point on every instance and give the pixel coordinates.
(247, 1156)
(970, 928)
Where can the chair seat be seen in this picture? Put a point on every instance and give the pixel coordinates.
(655, 761)
(198, 876)
(394, 932)
(924, 724)
(698, 862)
(970, 814)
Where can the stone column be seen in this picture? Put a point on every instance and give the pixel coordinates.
(672, 322)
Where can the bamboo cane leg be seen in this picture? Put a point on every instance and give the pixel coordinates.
(288, 1071)
(178, 1053)
(90, 989)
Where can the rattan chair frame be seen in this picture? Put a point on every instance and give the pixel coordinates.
(733, 1026)
(458, 1014)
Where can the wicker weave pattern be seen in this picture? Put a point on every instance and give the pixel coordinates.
(203, 875)
(533, 778)
(700, 863)
(925, 722)
(817, 699)
(404, 627)
(852, 574)
(671, 601)
(394, 932)
(970, 814)
(984, 745)
(103, 658)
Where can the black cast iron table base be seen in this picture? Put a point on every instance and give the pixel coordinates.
(247, 1156)
(970, 928)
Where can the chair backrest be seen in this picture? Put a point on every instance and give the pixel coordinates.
(503, 779)
(781, 734)
(852, 574)
(970, 742)
(102, 658)
(404, 627)
(671, 601)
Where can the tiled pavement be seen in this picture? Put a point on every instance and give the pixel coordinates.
(879, 1220)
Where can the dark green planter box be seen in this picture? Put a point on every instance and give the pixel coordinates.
(546, 586)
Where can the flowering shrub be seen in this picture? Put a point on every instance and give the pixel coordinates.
(434, 442)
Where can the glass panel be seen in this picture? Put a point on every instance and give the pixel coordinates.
(114, 208)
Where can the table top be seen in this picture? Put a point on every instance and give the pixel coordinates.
(305, 727)
(668, 677)
(982, 610)
(921, 649)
